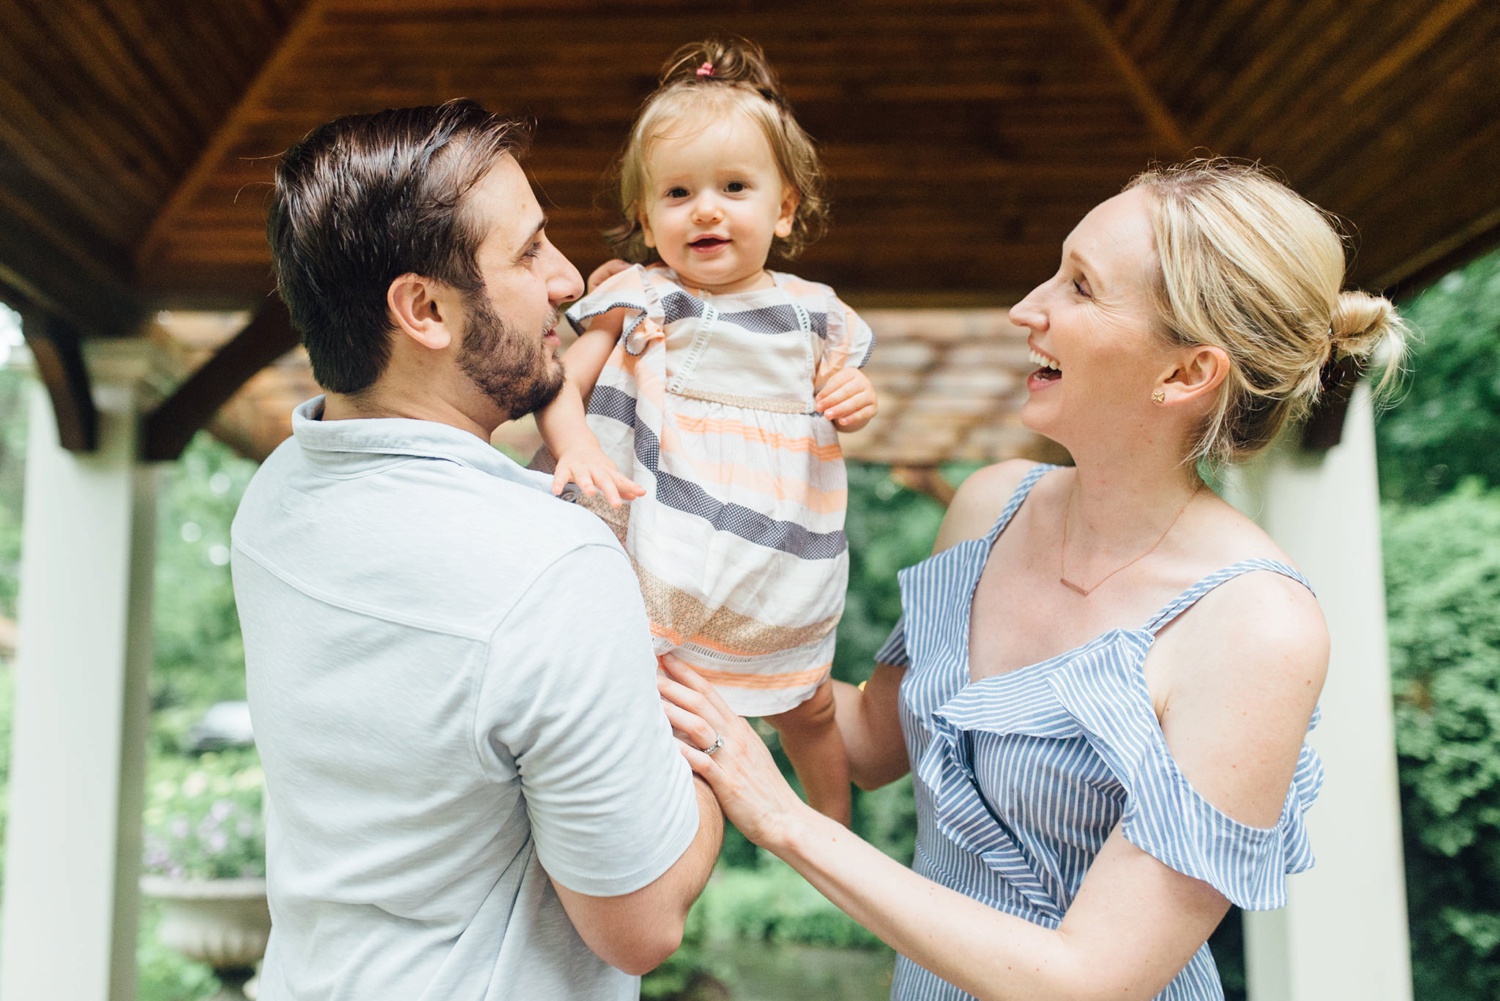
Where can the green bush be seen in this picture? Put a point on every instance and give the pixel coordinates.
(1443, 593)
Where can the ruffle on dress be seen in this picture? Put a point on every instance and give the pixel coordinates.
(1098, 692)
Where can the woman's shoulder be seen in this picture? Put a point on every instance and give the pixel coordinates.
(982, 498)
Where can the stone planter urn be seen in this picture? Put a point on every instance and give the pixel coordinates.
(222, 922)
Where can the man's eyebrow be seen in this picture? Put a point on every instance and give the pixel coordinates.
(531, 237)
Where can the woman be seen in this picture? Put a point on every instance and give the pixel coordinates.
(1104, 675)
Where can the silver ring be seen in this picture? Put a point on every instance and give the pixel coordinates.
(718, 743)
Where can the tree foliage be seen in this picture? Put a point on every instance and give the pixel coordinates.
(1443, 593)
(1447, 426)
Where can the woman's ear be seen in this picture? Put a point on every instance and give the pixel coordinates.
(1199, 372)
(423, 310)
(788, 215)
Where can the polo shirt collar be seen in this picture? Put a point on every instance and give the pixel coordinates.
(355, 441)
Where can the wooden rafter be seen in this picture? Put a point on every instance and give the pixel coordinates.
(169, 428)
(208, 161)
(57, 352)
(1156, 112)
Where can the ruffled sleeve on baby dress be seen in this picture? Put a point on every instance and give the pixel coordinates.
(1164, 815)
(849, 341)
(631, 290)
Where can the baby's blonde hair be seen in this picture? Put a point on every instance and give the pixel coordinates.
(1249, 266)
(734, 79)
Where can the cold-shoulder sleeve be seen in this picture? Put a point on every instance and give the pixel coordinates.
(893, 650)
(631, 290)
(1164, 815)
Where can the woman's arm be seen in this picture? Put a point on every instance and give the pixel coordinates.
(870, 723)
(868, 717)
(1134, 925)
(1135, 921)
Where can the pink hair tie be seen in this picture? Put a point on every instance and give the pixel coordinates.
(707, 69)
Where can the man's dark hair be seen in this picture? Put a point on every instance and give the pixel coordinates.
(367, 198)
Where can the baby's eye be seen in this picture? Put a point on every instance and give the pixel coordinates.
(677, 192)
(735, 187)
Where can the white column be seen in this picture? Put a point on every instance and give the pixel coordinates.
(72, 850)
(1343, 934)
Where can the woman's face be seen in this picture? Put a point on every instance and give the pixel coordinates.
(1092, 329)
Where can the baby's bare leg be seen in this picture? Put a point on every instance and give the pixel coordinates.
(810, 736)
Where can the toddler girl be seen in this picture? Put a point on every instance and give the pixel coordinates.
(714, 388)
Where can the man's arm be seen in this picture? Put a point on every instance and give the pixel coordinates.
(636, 932)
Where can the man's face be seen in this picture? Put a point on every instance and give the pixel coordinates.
(509, 349)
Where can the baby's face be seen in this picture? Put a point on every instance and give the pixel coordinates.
(714, 201)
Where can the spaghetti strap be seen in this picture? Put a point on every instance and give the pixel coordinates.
(1188, 598)
(1016, 498)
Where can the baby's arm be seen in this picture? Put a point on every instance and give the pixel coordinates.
(564, 428)
(847, 398)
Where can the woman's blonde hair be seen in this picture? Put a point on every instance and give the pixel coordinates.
(703, 82)
(1249, 266)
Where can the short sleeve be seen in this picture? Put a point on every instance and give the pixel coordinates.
(1165, 816)
(630, 290)
(570, 696)
(850, 339)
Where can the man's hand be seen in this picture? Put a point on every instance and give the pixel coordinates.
(847, 399)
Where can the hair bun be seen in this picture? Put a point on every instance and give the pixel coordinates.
(724, 60)
(1360, 322)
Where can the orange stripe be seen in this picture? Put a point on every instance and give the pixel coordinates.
(707, 426)
(730, 679)
(759, 481)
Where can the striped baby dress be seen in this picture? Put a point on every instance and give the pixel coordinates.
(707, 402)
(1020, 777)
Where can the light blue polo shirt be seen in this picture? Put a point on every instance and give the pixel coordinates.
(452, 686)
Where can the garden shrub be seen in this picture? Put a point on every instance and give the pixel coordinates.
(1443, 592)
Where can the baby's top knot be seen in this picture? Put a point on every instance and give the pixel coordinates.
(707, 69)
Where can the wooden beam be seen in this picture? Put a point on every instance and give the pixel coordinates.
(171, 426)
(927, 480)
(1157, 114)
(57, 352)
(1325, 425)
(193, 182)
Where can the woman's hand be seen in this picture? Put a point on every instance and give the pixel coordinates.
(847, 398)
(741, 771)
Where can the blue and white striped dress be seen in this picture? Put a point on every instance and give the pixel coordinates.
(1020, 777)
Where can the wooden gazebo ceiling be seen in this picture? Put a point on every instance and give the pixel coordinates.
(963, 137)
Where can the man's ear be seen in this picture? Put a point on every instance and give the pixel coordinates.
(423, 310)
(1199, 372)
(788, 215)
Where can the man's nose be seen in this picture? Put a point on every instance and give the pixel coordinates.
(565, 283)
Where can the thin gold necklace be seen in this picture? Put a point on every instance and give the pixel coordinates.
(1062, 576)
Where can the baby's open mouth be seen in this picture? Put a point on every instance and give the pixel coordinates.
(708, 242)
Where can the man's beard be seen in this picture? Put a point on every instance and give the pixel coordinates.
(510, 367)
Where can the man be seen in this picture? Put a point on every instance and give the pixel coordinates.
(473, 793)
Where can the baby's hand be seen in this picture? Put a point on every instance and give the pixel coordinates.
(847, 398)
(592, 470)
(605, 272)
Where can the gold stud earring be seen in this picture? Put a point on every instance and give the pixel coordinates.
(1160, 396)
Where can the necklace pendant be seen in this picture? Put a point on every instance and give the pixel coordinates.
(1085, 592)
